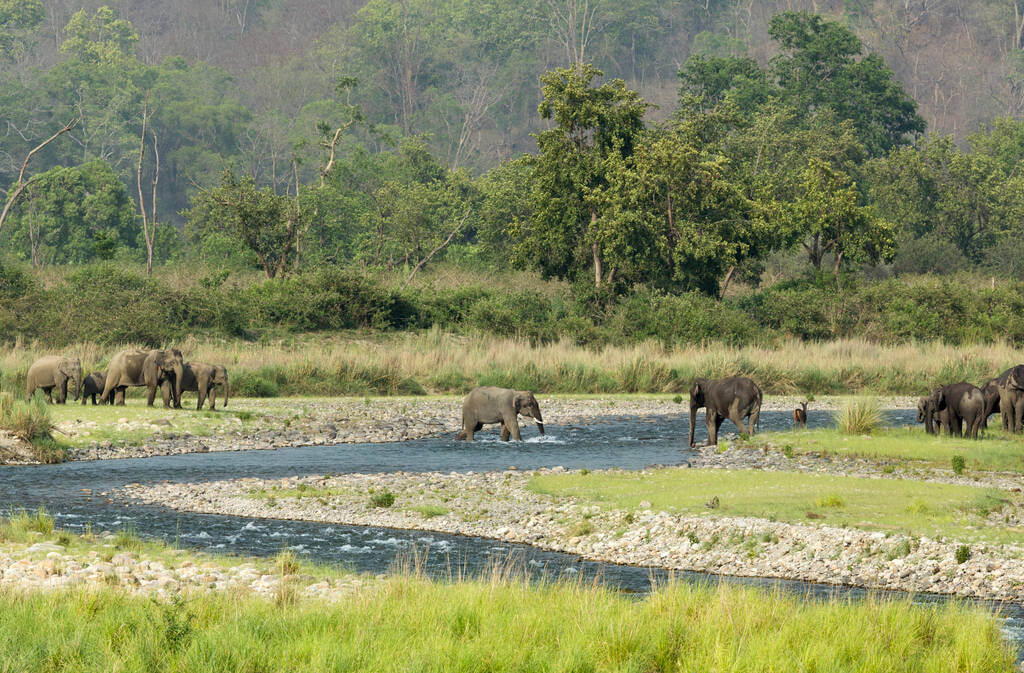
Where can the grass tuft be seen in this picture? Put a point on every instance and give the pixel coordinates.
(860, 416)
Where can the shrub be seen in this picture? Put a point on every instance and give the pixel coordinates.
(830, 501)
(247, 384)
(959, 464)
(859, 417)
(28, 421)
(963, 553)
(383, 499)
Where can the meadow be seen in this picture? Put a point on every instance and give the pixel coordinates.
(889, 505)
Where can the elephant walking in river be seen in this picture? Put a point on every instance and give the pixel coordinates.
(488, 404)
(735, 398)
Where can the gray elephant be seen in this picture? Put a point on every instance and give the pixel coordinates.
(202, 379)
(488, 404)
(54, 371)
(933, 419)
(1011, 398)
(964, 405)
(131, 368)
(734, 398)
(92, 386)
(990, 391)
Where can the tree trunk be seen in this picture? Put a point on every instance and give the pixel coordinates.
(725, 283)
(595, 251)
(835, 269)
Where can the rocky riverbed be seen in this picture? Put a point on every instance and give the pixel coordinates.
(499, 505)
(276, 423)
(49, 565)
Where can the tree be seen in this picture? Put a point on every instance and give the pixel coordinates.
(592, 123)
(18, 20)
(827, 214)
(100, 38)
(267, 223)
(22, 183)
(73, 215)
(823, 65)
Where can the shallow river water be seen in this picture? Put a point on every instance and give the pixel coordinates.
(72, 492)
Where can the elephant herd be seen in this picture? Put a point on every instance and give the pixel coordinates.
(162, 369)
(963, 408)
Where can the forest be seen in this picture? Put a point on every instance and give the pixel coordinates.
(722, 169)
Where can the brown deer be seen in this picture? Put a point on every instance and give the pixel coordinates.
(800, 416)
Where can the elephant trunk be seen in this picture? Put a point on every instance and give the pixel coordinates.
(693, 418)
(540, 421)
(929, 420)
(77, 390)
(225, 390)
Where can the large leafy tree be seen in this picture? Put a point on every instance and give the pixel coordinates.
(18, 20)
(564, 237)
(268, 224)
(72, 215)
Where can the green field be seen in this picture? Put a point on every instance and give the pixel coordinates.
(919, 508)
(996, 451)
(411, 624)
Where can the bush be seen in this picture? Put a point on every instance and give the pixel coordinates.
(859, 417)
(247, 384)
(963, 553)
(28, 421)
(383, 499)
(959, 464)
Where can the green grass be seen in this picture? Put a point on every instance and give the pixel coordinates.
(301, 491)
(873, 504)
(505, 624)
(429, 511)
(996, 451)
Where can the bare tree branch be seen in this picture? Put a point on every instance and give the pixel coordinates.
(22, 183)
(438, 249)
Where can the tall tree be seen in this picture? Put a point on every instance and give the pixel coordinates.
(563, 238)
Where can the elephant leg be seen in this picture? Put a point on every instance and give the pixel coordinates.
(200, 397)
(504, 432)
(120, 395)
(1018, 414)
(956, 427)
(213, 398)
(513, 427)
(49, 396)
(150, 395)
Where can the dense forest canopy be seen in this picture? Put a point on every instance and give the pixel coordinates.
(677, 145)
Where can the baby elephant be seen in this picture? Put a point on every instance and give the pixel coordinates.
(498, 405)
(92, 386)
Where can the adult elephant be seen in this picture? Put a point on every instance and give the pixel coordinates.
(132, 368)
(734, 398)
(964, 405)
(489, 404)
(203, 380)
(93, 386)
(54, 371)
(1011, 398)
(932, 418)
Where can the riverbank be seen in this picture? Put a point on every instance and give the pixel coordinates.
(143, 608)
(938, 533)
(137, 431)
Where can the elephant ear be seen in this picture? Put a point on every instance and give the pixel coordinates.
(517, 402)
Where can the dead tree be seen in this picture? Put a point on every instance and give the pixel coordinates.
(148, 229)
(22, 183)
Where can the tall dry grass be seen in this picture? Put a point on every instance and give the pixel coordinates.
(442, 362)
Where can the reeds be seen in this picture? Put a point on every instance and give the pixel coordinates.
(434, 361)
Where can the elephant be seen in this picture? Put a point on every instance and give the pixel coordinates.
(932, 418)
(734, 398)
(54, 371)
(131, 368)
(1011, 398)
(202, 379)
(990, 391)
(92, 386)
(964, 405)
(489, 404)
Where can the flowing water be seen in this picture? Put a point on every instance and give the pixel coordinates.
(73, 493)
